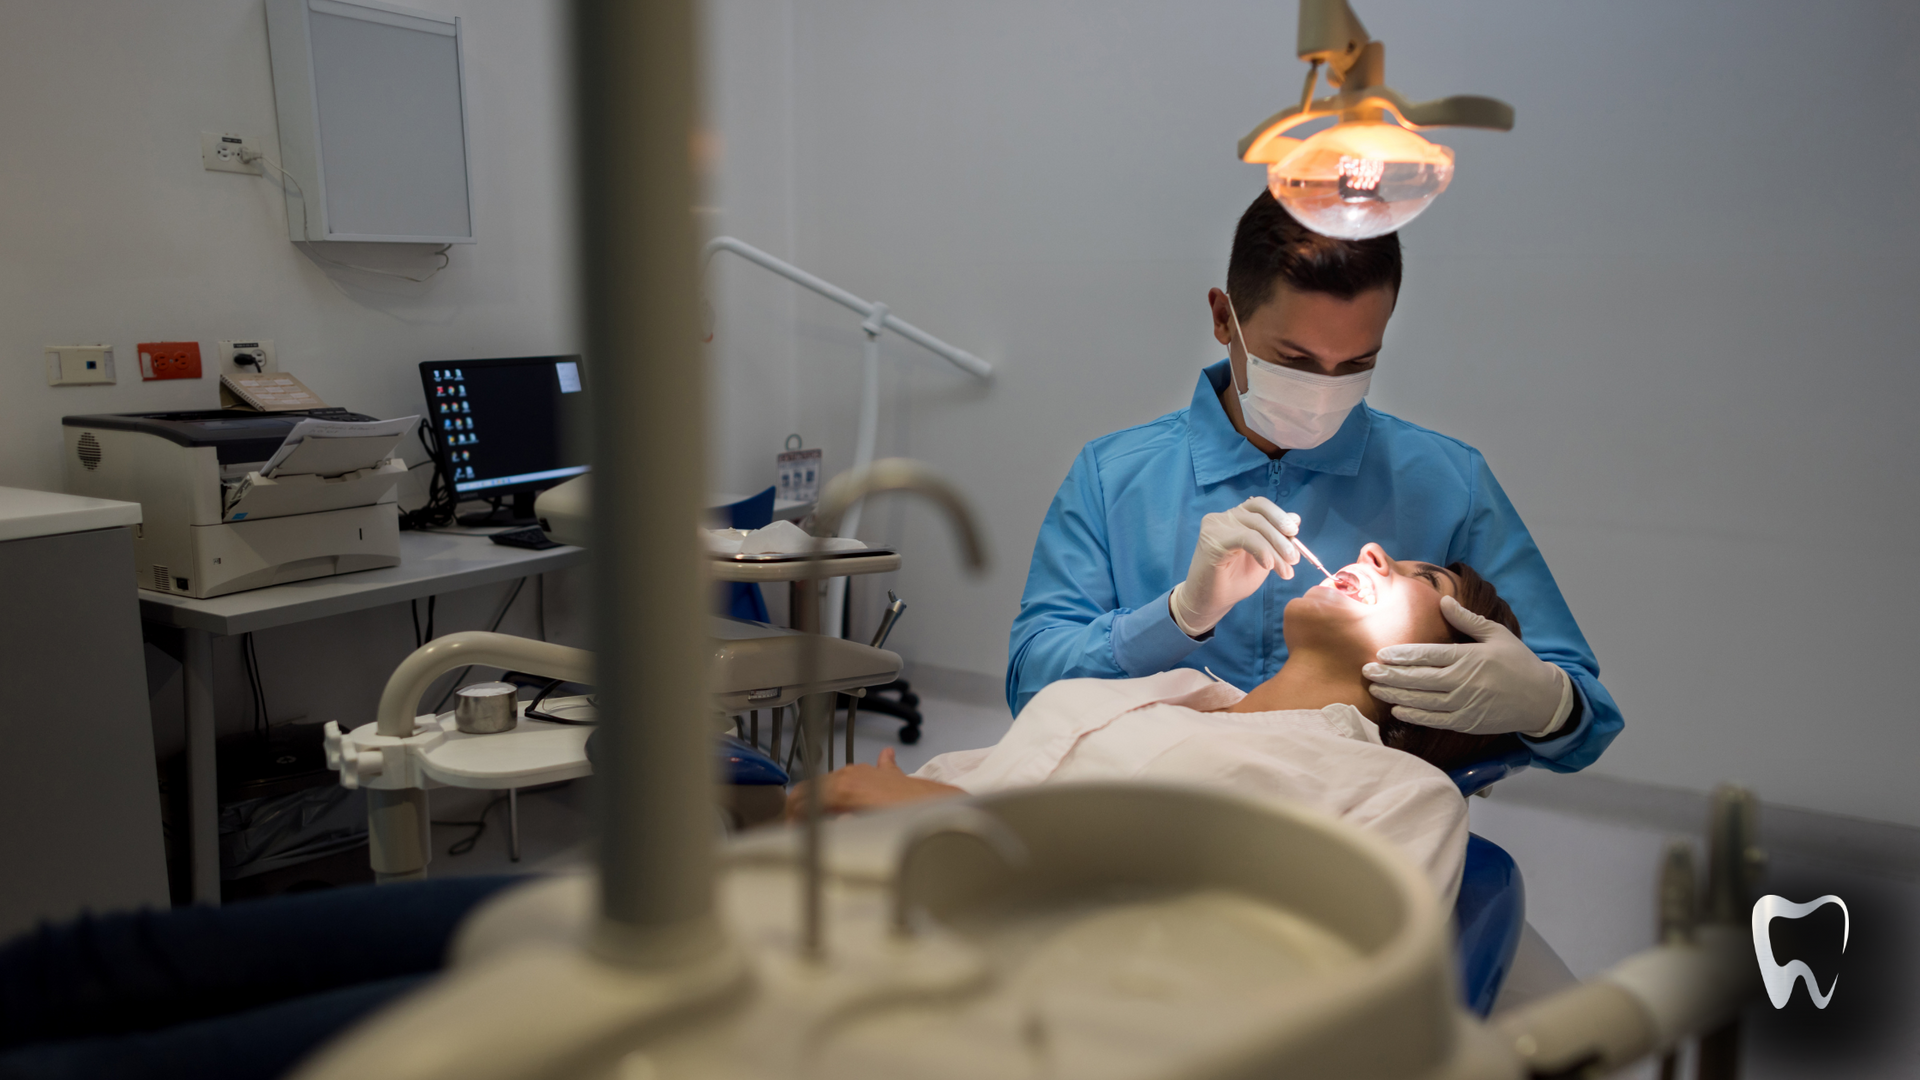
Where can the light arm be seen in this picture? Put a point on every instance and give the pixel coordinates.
(960, 358)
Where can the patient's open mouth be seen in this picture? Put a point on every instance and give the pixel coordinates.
(1354, 587)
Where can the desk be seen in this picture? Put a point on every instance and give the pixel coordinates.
(430, 563)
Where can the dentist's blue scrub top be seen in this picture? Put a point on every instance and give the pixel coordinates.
(1122, 530)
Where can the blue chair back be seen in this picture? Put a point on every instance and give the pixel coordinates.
(1470, 779)
(753, 512)
(744, 599)
(1492, 908)
(1488, 918)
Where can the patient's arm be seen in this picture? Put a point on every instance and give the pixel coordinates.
(867, 787)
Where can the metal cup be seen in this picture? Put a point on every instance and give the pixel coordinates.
(486, 708)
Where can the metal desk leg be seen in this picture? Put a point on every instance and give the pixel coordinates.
(203, 783)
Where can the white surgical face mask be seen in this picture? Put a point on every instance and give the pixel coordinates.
(1294, 410)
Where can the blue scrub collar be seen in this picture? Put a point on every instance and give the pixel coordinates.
(1222, 453)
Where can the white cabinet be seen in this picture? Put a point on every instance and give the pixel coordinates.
(373, 122)
(78, 788)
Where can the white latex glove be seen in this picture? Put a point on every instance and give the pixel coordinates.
(1490, 687)
(1238, 548)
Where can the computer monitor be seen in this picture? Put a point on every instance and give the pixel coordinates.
(507, 428)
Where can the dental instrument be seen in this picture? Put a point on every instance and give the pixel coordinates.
(1311, 557)
(895, 607)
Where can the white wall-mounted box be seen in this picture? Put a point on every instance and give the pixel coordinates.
(373, 122)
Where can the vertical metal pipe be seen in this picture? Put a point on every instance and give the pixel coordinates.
(637, 88)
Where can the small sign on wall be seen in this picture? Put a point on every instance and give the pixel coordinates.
(799, 473)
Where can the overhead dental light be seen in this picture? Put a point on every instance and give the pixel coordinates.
(1371, 172)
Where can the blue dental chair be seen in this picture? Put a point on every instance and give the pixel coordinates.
(1492, 908)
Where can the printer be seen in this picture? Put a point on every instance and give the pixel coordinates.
(222, 514)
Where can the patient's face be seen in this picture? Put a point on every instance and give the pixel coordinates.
(1373, 603)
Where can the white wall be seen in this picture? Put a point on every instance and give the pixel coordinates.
(1674, 307)
(750, 195)
(111, 231)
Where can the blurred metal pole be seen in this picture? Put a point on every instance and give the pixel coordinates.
(637, 86)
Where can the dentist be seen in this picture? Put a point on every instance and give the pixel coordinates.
(1171, 545)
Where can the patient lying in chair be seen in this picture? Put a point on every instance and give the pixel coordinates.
(1311, 734)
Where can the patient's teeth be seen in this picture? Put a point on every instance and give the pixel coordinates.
(1348, 584)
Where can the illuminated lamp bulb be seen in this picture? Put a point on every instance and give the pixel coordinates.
(1360, 178)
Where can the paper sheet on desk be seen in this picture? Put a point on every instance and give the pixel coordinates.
(333, 447)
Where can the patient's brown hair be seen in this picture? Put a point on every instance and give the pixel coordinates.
(1453, 749)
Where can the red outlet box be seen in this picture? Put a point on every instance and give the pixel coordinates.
(169, 360)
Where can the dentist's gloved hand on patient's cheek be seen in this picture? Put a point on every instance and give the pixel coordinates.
(1238, 548)
(1491, 686)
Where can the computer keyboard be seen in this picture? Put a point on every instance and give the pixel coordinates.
(529, 537)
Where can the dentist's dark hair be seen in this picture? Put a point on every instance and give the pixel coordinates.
(1454, 749)
(1270, 246)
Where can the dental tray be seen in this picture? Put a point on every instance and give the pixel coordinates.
(786, 556)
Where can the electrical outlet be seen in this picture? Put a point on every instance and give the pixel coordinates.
(246, 357)
(169, 360)
(224, 153)
(79, 365)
